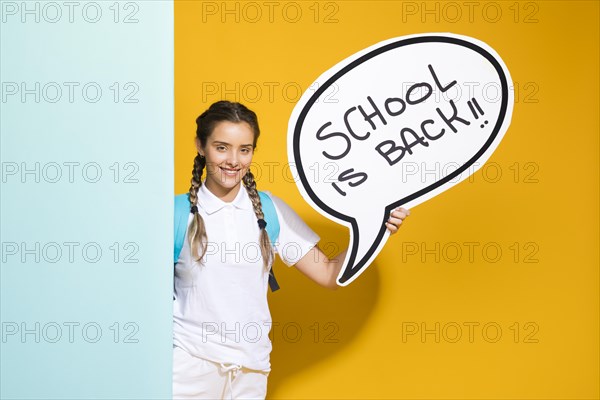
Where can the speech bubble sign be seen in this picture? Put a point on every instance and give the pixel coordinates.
(395, 125)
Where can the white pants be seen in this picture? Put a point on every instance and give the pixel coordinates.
(197, 378)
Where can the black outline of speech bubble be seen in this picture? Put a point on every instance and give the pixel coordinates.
(350, 272)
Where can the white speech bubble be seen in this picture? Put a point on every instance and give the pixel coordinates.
(395, 125)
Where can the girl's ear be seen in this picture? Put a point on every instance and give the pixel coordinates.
(199, 147)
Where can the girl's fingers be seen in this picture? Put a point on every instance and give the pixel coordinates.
(396, 218)
(400, 213)
(404, 210)
(394, 221)
(392, 228)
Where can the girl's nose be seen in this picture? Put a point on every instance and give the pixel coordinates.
(232, 159)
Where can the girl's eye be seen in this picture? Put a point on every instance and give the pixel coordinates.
(220, 147)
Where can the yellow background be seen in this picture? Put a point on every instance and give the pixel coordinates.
(349, 343)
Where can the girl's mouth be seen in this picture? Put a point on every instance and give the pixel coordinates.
(229, 171)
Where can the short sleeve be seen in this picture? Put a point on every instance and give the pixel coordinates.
(296, 238)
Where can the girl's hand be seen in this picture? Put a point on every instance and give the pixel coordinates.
(396, 219)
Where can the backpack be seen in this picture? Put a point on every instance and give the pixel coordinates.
(182, 212)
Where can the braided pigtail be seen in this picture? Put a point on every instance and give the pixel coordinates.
(197, 230)
(265, 243)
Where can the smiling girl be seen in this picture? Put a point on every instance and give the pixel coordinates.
(221, 318)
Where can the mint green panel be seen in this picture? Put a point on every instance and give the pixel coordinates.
(86, 199)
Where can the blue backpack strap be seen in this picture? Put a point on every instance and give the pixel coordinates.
(272, 227)
(181, 215)
(182, 212)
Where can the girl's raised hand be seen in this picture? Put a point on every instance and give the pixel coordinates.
(396, 218)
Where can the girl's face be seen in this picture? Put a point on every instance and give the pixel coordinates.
(228, 152)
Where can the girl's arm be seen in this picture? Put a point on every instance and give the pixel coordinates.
(324, 271)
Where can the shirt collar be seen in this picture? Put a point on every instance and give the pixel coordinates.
(211, 203)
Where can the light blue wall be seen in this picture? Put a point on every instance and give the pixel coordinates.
(77, 324)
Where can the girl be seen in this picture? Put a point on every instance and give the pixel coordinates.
(221, 319)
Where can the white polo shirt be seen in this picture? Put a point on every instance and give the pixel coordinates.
(220, 311)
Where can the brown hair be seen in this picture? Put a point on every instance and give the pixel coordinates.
(206, 122)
